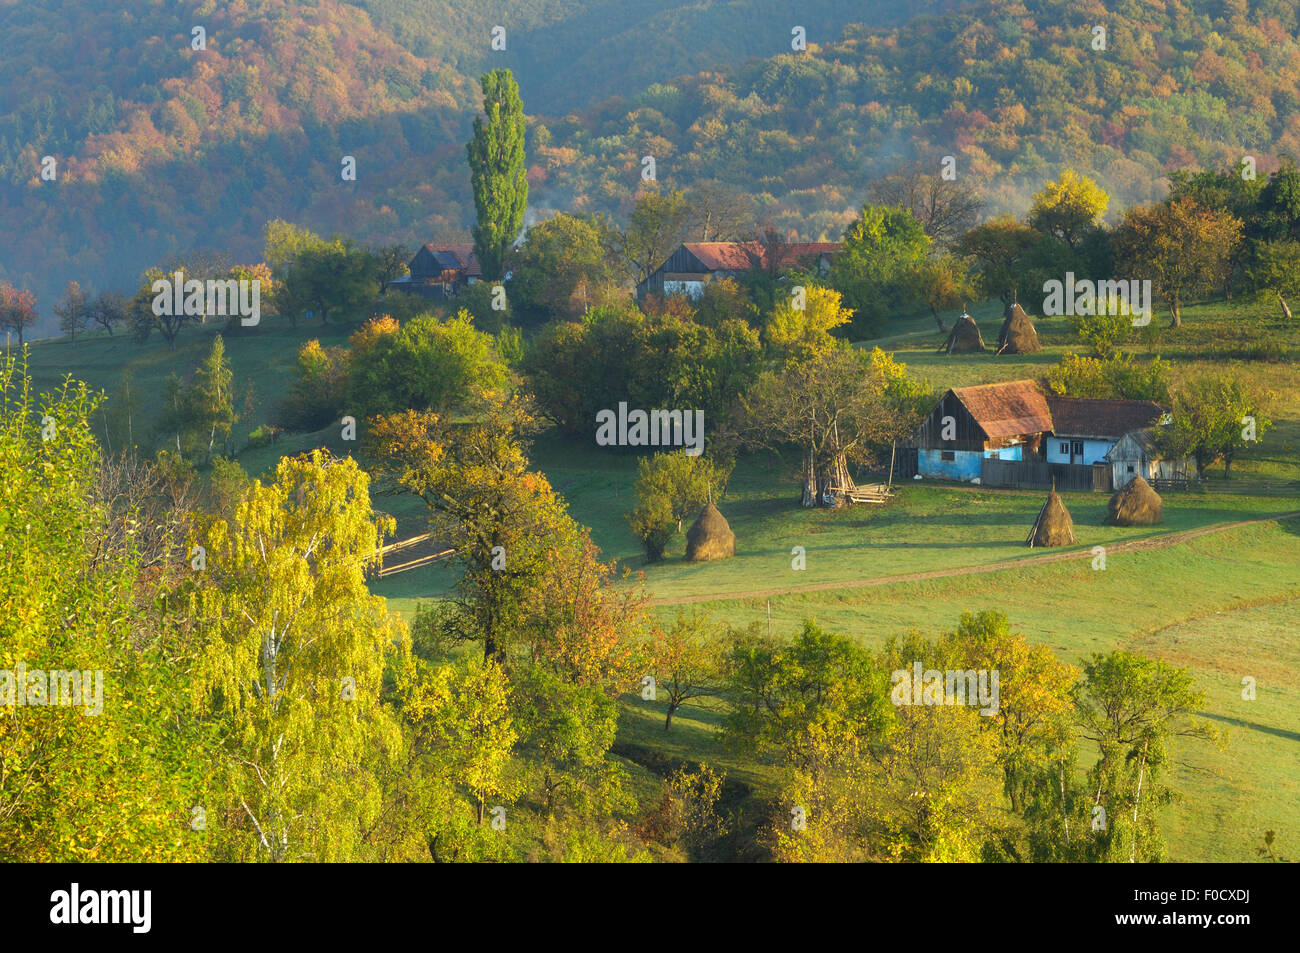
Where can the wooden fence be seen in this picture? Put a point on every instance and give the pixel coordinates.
(1231, 487)
(1039, 474)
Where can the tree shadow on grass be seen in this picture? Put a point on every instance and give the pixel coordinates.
(1254, 726)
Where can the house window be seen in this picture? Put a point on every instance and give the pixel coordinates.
(1130, 468)
(947, 456)
(1065, 449)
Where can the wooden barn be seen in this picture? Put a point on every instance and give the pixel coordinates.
(440, 271)
(1004, 421)
(695, 264)
(1138, 453)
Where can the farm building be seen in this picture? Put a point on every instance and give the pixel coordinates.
(695, 264)
(1137, 453)
(440, 271)
(1084, 429)
(999, 421)
(1012, 434)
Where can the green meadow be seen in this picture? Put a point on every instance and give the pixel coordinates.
(1224, 603)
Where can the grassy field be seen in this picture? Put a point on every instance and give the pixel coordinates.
(1224, 604)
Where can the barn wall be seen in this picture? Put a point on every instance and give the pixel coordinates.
(969, 435)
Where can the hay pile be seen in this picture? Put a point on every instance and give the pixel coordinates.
(1053, 526)
(1136, 504)
(964, 338)
(710, 537)
(1018, 335)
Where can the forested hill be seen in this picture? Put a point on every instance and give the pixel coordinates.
(568, 54)
(165, 150)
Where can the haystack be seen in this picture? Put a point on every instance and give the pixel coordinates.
(964, 338)
(710, 537)
(1053, 526)
(1136, 504)
(1018, 335)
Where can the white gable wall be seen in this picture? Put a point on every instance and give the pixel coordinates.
(1093, 450)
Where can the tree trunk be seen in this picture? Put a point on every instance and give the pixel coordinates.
(672, 709)
(1176, 309)
(937, 320)
(1137, 800)
(809, 480)
(1065, 817)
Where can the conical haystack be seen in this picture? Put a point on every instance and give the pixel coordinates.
(1018, 335)
(1136, 504)
(964, 338)
(710, 537)
(1053, 526)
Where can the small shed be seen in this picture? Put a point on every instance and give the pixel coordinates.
(1138, 453)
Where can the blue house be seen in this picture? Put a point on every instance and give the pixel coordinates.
(1004, 421)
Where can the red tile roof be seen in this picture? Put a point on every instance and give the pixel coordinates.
(742, 256)
(1089, 417)
(1009, 409)
(1016, 408)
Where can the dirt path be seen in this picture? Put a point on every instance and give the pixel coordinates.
(1137, 545)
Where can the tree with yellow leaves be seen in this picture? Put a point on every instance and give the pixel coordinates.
(1069, 208)
(293, 658)
(795, 334)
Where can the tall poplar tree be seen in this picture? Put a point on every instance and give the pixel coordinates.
(496, 163)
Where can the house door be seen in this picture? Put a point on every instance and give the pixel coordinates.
(1076, 452)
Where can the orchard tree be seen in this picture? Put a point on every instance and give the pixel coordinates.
(689, 661)
(108, 310)
(503, 522)
(1069, 208)
(670, 487)
(656, 226)
(144, 319)
(800, 330)
(875, 267)
(945, 208)
(942, 282)
(998, 248)
(1215, 418)
(429, 363)
(497, 172)
(841, 407)
(1181, 246)
(73, 311)
(393, 262)
(17, 310)
(563, 266)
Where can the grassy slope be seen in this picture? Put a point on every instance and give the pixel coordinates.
(1223, 604)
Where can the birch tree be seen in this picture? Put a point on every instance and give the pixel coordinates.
(293, 658)
(1132, 707)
